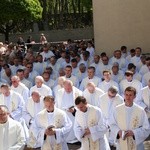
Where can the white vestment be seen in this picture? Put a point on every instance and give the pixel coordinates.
(92, 119)
(39, 67)
(145, 93)
(47, 55)
(134, 83)
(92, 98)
(66, 100)
(107, 106)
(44, 90)
(31, 109)
(15, 104)
(130, 118)
(12, 136)
(144, 69)
(27, 83)
(86, 80)
(74, 80)
(145, 79)
(121, 61)
(22, 90)
(62, 125)
(106, 85)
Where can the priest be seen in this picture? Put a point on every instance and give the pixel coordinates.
(11, 131)
(51, 127)
(129, 123)
(89, 126)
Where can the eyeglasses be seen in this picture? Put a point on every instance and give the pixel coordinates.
(13, 81)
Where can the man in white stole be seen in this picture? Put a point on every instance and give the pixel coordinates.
(51, 126)
(33, 106)
(11, 131)
(129, 123)
(15, 104)
(89, 126)
(65, 100)
(107, 103)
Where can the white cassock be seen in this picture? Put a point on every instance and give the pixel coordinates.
(118, 77)
(105, 67)
(92, 119)
(74, 80)
(12, 136)
(22, 90)
(145, 93)
(81, 76)
(31, 109)
(135, 60)
(145, 79)
(40, 67)
(62, 124)
(134, 83)
(44, 90)
(144, 69)
(130, 118)
(121, 61)
(107, 106)
(50, 83)
(106, 85)
(32, 76)
(47, 55)
(86, 80)
(27, 83)
(97, 71)
(92, 98)
(15, 104)
(64, 101)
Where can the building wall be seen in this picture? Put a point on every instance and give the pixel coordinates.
(55, 35)
(121, 22)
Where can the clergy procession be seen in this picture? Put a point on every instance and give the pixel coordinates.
(67, 93)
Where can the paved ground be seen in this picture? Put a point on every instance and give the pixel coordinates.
(78, 145)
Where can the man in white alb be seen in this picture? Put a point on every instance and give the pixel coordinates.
(107, 102)
(129, 123)
(89, 126)
(11, 131)
(51, 127)
(43, 89)
(92, 93)
(65, 100)
(20, 88)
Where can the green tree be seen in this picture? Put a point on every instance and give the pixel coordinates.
(17, 12)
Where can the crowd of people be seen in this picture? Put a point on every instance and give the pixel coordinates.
(65, 93)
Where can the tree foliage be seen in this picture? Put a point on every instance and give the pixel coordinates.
(67, 13)
(17, 12)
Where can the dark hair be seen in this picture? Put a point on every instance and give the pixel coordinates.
(80, 99)
(131, 65)
(74, 60)
(130, 88)
(123, 47)
(20, 70)
(91, 67)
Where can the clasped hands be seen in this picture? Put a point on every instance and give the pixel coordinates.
(50, 131)
(86, 132)
(126, 134)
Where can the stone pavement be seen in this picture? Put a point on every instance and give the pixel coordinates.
(77, 146)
